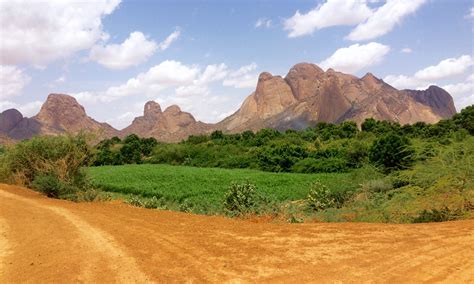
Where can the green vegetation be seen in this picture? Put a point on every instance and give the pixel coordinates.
(51, 165)
(243, 199)
(383, 172)
(204, 189)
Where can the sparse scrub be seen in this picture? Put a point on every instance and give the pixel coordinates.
(242, 199)
(51, 165)
(320, 197)
(435, 215)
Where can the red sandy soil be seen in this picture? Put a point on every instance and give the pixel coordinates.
(46, 240)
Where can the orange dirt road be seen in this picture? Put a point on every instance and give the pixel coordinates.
(45, 240)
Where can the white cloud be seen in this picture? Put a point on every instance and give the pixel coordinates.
(471, 13)
(243, 78)
(168, 73)
(213, 73)
(356, 57)
(169, 40)
(406, 82)
(263, 23)
(446, 68)
(61, 79)
(371, 23)
(133, 51)
(463, 93)
(384, 19)
(28, 110)
(39, 32)
(406, 50)
(12, 81)
(331, 13)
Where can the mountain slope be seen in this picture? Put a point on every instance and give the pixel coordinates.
(333, 97)
(169, 126)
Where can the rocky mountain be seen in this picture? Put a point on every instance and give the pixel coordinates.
(62, 113)
(308, 95)
(169, 125)
(16, 127)
(305, 96)
(59, 114)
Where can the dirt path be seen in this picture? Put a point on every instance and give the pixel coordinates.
(45, 240)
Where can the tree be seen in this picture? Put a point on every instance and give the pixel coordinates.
(216, 135)
(391, 151)
(280, 157)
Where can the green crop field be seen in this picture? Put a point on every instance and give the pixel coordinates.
(204, 188)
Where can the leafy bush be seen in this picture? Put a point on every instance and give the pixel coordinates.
(242, 199)
(136, 201)
(435, 215)
(356, 154)
(391, 151)
(61, 156)
(319, 197)
(280, 157)
(377, 186)
(50, 165)
(323, 165)
(49, 185)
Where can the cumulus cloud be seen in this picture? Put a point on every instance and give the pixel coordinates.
(244, 77)
(470, 15)
(169, 40)
(263, 23)
(28, 110)
(463, 93)
(39, 32)
(384, 19)
(406, 82)
(188, 80)
(356, 57)
(12, 81)
(445, 69)
(331, 13)
(370, 23)
(133, 51)
(406, 50)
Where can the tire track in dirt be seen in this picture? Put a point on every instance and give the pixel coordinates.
(175, 247)
(100, 245)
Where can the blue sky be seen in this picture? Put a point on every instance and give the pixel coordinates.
(205, 56)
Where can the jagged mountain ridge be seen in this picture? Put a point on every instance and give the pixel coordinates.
(305, 96)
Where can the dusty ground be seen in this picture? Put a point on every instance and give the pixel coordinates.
(45, 240)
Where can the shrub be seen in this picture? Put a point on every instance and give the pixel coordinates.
(51, 165)
(61, 156)
(242, 199)
(135, 200)
(153, 203)
(280, 157)
(319, 197)
(356, 154)
(322, 165)
(377, 186)
(435, 215)
(392, 152)
(49, 185)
